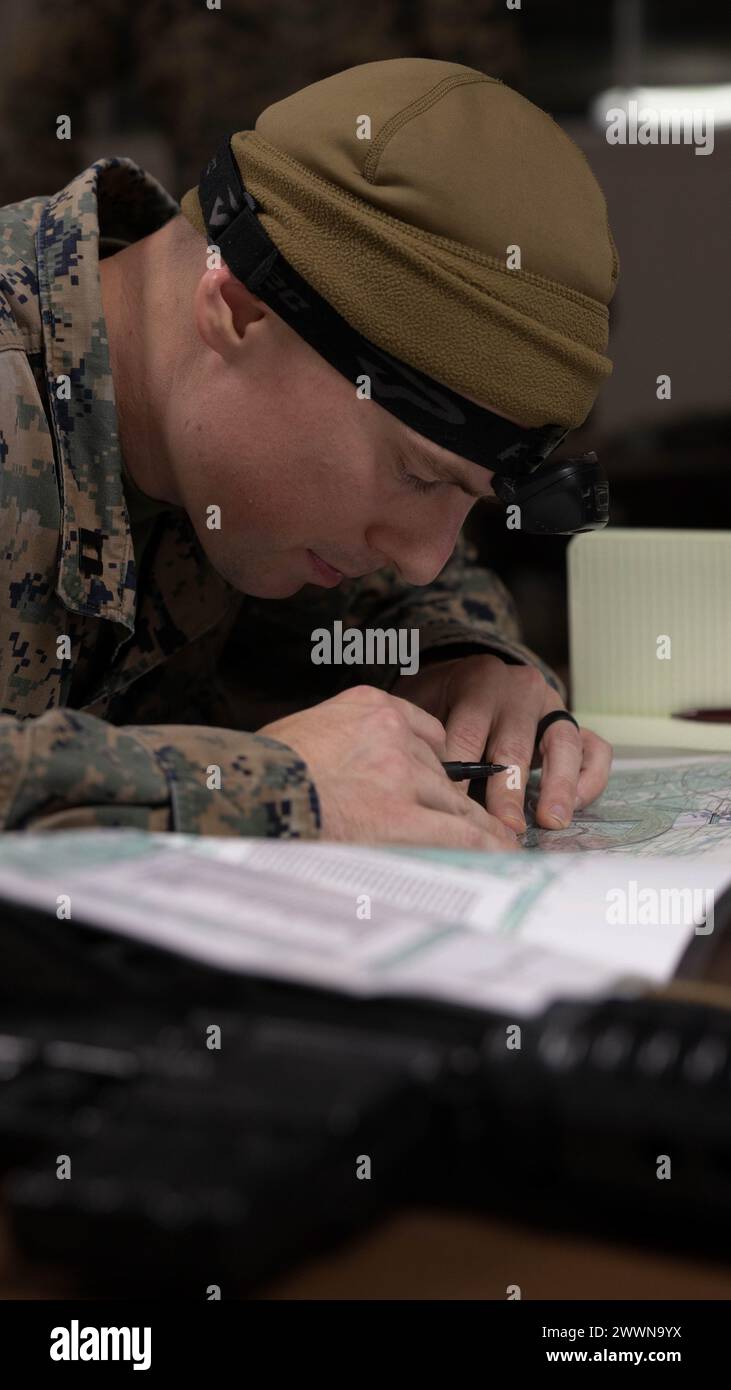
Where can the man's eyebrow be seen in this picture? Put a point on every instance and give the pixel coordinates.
(445, 472)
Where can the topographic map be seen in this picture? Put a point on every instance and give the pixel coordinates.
(668, 808)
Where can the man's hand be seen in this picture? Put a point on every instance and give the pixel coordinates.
(490, 711)
(376, 763)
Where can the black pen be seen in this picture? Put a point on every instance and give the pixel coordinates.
(464, 772)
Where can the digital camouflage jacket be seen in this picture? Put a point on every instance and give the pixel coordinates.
(132, 677)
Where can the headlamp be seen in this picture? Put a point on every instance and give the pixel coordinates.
(558, 498)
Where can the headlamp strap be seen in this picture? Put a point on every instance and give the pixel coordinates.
(426, 406)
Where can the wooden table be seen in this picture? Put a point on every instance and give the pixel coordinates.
(435, 1255)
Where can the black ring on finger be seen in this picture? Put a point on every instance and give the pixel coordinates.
(549, 719)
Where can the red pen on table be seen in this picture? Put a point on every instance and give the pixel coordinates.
(705, 716)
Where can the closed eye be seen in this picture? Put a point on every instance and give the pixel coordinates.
(446, 476)
(416, 483)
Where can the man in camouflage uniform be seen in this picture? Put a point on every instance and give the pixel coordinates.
(140, 685)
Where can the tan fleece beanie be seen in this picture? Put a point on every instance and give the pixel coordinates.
(409, 233)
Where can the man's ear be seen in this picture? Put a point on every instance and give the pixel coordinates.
(223, 310)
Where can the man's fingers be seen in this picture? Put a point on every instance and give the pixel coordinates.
(432, 788)
(595, 768)
(425, 725)
(505, 791)
(435, 791)
(512, 742)
(490, 824)
(562, 751)
(468, 725)
(419, 826)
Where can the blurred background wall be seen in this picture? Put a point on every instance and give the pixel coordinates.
(163, 81)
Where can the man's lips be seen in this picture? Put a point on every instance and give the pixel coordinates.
(328, 574)
(333, 575)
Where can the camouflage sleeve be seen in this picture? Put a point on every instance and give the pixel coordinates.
(466, 609)
(70, 770)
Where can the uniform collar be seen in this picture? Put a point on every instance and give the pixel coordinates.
(114, 199)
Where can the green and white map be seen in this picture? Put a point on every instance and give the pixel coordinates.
(655, 807)
(499, 931)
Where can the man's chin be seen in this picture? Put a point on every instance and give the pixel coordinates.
(272, 586)
(274, 589)
(254, 585)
